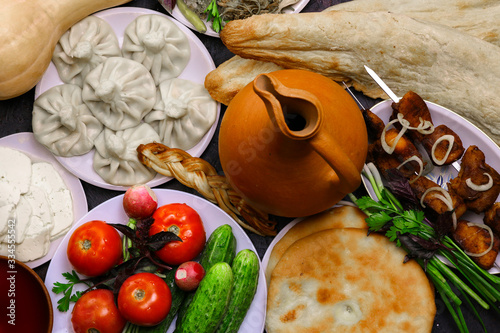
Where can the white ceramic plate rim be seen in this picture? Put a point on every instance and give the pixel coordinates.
(26, 143)
(469, 134)
(112, 211)
(296, 8)
(200, 64)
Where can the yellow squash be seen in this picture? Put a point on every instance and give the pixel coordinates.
(29, 31)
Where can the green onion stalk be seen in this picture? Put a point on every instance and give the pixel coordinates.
(477, 284)
(127, 242)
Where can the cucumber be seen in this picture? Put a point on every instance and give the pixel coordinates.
(220, 247)
(210, 301)
(177, 298)
(246, 277)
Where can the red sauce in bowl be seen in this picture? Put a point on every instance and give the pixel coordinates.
(24, 301)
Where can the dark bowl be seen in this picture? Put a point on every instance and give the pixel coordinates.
(25, 302)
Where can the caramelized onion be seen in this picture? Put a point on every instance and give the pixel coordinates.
(480, 188)
(446, 198)
(390, 149)
(424, 127)
(450, 139)
(420, 163)
(484, 226)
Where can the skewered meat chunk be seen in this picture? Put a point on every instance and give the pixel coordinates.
(441, 150)
(374, 125)
(415, 111)
(474, 167)
(492, 218)
(474, 239)
(432, 200)
(404, 150)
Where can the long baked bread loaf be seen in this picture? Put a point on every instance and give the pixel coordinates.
(478, 18)
(442, 64)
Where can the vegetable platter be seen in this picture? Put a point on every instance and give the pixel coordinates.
(112, 211)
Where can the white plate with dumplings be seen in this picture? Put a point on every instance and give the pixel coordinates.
(198, 65)
(26, 143)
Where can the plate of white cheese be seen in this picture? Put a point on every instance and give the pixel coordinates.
(39, 200)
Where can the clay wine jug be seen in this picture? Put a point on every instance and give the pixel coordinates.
(293, 143)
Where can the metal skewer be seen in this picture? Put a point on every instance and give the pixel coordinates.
(382, 85)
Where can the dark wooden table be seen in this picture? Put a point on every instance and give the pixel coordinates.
(15, 117)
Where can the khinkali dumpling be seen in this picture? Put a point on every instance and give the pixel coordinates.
(119, 92)
(157, 43)
(84, 46)
(63, 123)
(116, 160)
(183, 113)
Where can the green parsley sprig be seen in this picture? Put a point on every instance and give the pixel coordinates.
(429, 247)
(214, 16)
(67, 290)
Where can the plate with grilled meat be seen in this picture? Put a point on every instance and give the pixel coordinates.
(451, 166)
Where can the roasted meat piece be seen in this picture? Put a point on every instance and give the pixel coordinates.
(492, 218)
(432, 200)
(475, 239)
(374, 125)
(415, 111)
(441, 150)
(404, 150)
(475, 170)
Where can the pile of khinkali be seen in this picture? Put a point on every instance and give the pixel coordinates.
(114, 99)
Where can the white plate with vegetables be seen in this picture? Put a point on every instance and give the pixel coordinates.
(112, 211)
(178, 15)
(469, 134)
(26, 143)
(199, 65)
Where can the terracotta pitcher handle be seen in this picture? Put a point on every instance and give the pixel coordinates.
(280, 100)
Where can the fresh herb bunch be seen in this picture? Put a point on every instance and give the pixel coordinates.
(214, 16)
(427, 242)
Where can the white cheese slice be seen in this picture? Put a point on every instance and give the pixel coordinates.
(9, 193)
(45, 176)
(40, 207)
(7, 213)
(15, 168)
(21, 219)
(37, 241)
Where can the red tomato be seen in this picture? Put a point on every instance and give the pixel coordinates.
(185, 222)
(144, 299)
(96, 311)
(94, 248)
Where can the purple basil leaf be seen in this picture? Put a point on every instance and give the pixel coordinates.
(143, 227)
(157, 241)
(168, 5)
(124, 229)
(415, 249)
(400, 187)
